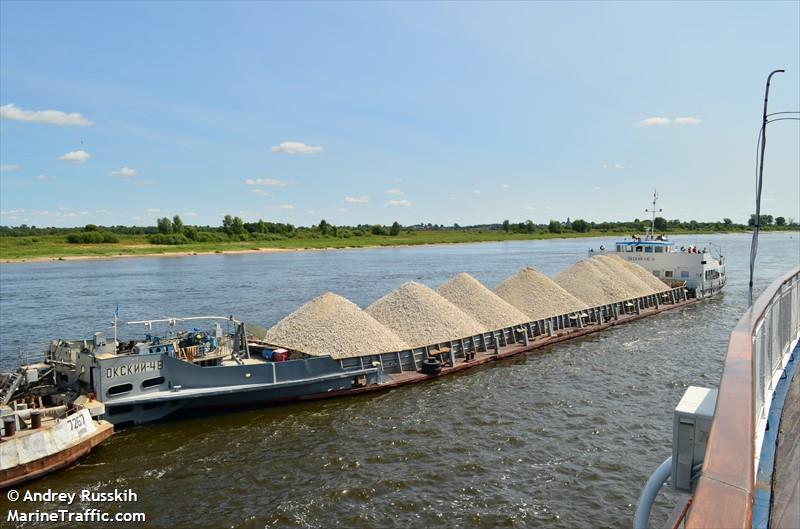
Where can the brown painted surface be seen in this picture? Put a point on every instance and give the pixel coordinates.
(724, 494)
(40, 467)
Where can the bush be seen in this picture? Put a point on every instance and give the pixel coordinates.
(172, 238)
(92, 237)
(377, 229)
(209, 236)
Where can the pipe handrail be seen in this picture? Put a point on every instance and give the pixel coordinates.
(725, 491)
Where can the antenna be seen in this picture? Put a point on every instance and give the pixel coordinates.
(654, 211)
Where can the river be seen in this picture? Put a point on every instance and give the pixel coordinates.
(561, 437)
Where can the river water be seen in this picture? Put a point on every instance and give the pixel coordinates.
(560, 437)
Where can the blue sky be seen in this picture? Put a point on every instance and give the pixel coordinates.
(375, 112)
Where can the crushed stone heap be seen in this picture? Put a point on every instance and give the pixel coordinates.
(331, 324)
(626, 279)
(485, 307)
(645, 276)
(420, 316)
(591, 283)
(537, 295)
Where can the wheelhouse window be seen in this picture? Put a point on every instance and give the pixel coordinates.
(684, 274)
(667, 273)
(656, 273)
(659, 249)
(629, 248)
(648, 249)
(638, 248)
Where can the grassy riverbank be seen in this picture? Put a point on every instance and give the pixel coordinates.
(56, 246)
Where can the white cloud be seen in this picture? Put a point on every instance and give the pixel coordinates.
(63, 213)
(657, 120)
(505, 186)
(688, 120)
(266, 182)
(530, 208)
(596, 188)
(260, 192)
(125, 172)
(282, 206)
(11, 212)
(396, 180)
(338, 209)
(451, 198)
(8, 168)
(476, 191)
(619, 166)
(75, 156)
(357, 200)
(40, 177)
(152, 211)
(398, 204)
(53, 117)
(605, 166)
(393, 192)
(190, 214)
(102, 212)
(296, 147)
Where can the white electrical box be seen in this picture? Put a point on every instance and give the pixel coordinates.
(691, 423)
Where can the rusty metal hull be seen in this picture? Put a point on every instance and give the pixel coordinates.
(40, 467)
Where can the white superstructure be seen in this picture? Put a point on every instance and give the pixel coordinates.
(702, 271)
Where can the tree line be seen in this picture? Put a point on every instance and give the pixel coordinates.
(233, 228)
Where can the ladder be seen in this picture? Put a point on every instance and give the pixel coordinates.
(10, 386)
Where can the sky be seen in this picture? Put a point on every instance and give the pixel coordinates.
(363, 113)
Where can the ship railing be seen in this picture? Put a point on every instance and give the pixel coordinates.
(758, 350)
(521, 335)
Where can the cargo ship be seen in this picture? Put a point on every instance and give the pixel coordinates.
(189, 370)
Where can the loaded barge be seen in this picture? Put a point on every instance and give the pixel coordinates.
(158, 377)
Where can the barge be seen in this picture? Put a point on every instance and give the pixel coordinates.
(161, 376)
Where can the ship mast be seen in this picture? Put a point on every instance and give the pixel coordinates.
(653, 211)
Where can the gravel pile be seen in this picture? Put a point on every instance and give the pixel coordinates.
(589, 282)
(647, 277)
(537, 295)
(619, 272)
(485, 307)
(331, 324)
(420, 316)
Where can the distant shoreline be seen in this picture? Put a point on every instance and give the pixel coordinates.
(360, 245)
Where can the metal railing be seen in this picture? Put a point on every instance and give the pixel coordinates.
(758, 350)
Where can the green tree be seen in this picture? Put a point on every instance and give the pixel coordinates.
(728, 222)
(164, 226)
(660, 224)
(237, 226)
(780, 221)
(323, 227)
(580, 225)
(554, 226)
(227, 222)
(177, 224)
(530, 227)
(506, 225)
(395, 229)
(90, 227)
